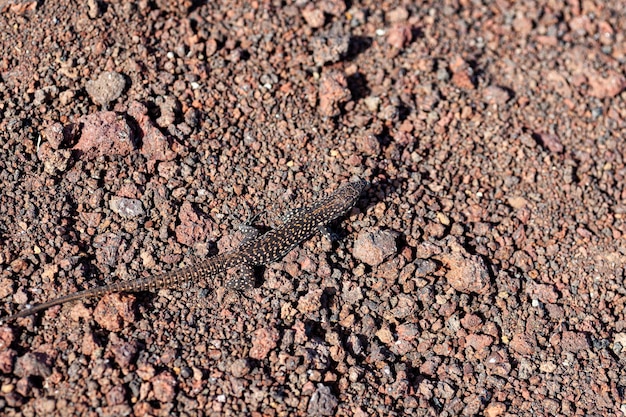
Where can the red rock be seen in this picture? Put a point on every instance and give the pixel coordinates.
(605, 87)
(385, 335)
(19, 265)
(126, 207)
(146, 371)
(154, 144)
(581, 24)
(471, 322)
(91, 220)
(523, 344)
(143, 408)
(333, 7)
(466, 274)
(498, 363)
(311, 301)
(313, 16)
(105, 133)
(116, 395)
(7, 357)
(333, 91)
(263, 341)
(54, 162)
(124, 353)
(170, 110)
(7, 336)
(408, 331)
(373, 246)
(79, 311)
(164, 387)
(478, 341)
(461, 76)
(322, 402)
(193, 227)
(89, 344)
(106, 88)
(6, 285)
(54, 134)
(18, 7)
(33, 364)
(574, 341)
(542, 292)
(558, 82)
(495, 409)
(113, 310)
(368, 144)
(550, 141)
(329, 49)
(430, 366)
(522, 24)
(556, 312)
(495, 95)
(399, 36)
(463, 80)
(399, 14)
(240, 368)
(406, 307)
(129, 190)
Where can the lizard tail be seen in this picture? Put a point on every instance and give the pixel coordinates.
(133, 285)
(192, 273)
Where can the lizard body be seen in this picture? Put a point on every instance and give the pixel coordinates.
(254, 251)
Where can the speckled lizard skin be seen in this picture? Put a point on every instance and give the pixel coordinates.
(256, 250)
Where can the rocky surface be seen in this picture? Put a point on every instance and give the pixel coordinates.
(481, 273)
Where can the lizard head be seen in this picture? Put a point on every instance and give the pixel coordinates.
(344, 198)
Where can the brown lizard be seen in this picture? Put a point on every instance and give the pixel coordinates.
(255, 250)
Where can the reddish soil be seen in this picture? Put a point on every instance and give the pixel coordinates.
(481, 273)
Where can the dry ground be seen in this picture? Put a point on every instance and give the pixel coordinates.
(481, 273)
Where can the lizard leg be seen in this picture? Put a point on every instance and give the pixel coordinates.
(244, 280)
(325, 231)
(252, 218)
(248, 229)
(249, 233)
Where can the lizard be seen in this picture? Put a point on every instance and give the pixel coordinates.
(255, 250)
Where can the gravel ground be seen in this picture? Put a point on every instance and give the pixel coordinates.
(481, 273)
